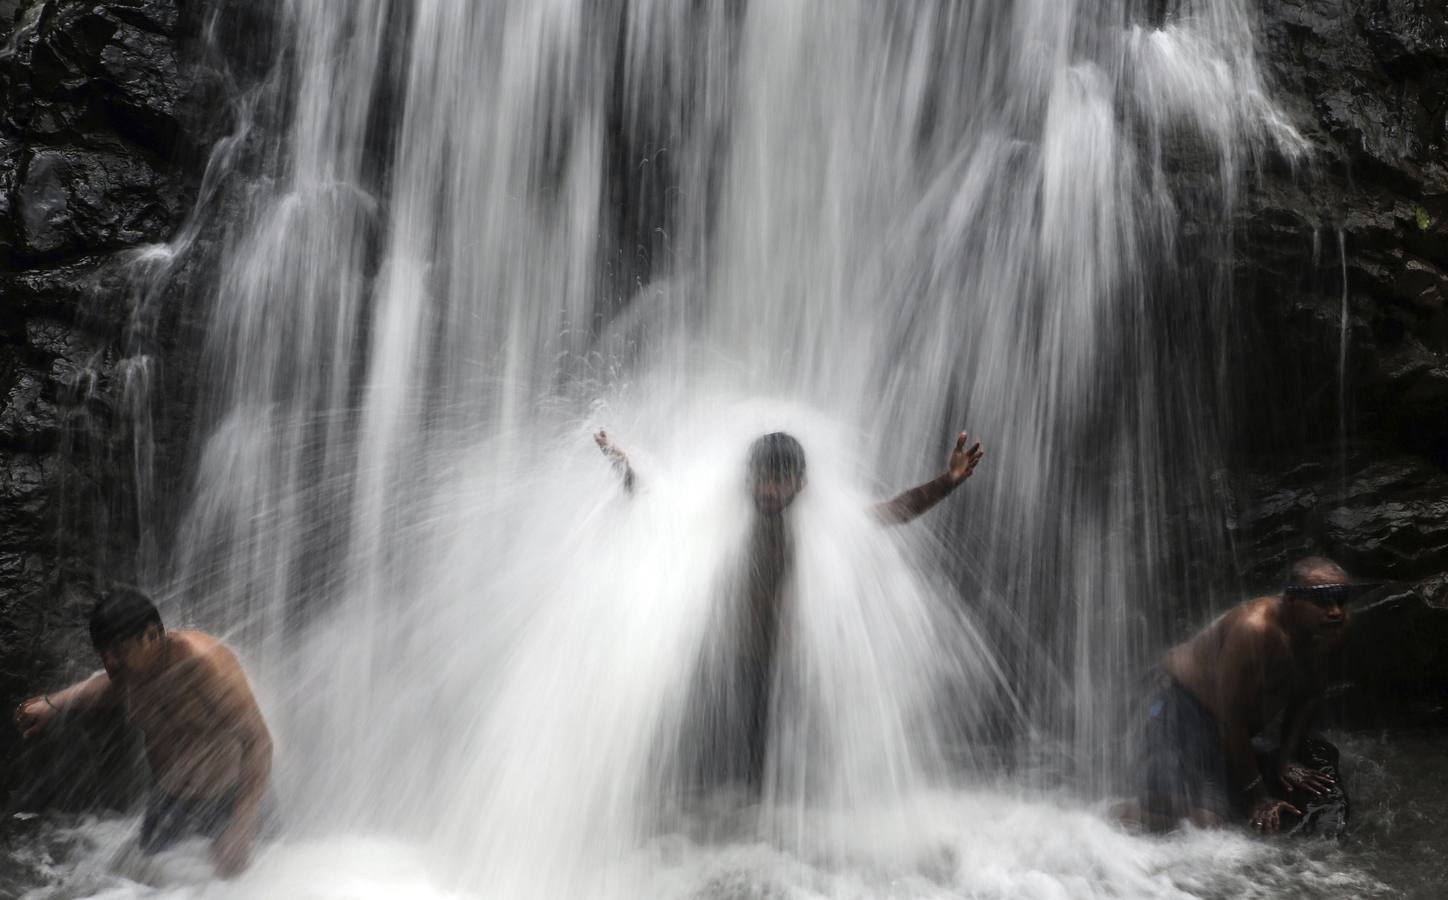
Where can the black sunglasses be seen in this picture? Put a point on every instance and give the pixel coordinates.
(1329, 594)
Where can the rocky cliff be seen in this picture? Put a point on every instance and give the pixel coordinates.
(1342, 270)
(107, 116)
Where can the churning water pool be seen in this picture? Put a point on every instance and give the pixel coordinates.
(981, 844)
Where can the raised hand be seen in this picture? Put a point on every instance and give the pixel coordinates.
(617, 457)
(962, 461)
(917, 500)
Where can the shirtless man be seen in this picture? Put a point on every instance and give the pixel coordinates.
(776, 476)
(208, 748)
(1266, 656)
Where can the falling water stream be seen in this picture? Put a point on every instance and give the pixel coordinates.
(474, 233)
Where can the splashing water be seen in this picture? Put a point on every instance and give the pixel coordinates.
(484, 230)
(978, 844)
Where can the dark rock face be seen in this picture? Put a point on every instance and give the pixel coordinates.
(1369, 83)
(93, 95)
(1380, 514)
(1363, 228)
(71, 201)
(100, 140)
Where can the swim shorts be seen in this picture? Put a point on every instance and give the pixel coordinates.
(1181, 761)
(169, 819)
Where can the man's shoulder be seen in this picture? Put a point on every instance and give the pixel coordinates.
(194, 641)
(203, 648)
(1257, 620)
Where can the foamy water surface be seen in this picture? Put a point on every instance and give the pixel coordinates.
(979, 844)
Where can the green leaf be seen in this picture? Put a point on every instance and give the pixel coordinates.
(1425, 221)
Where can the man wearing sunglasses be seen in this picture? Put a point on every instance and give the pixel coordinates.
(1266, 656)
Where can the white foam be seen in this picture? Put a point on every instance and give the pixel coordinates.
(979, 844)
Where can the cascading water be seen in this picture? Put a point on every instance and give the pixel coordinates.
(485, 230)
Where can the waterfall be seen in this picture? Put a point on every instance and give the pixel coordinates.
(473, 233)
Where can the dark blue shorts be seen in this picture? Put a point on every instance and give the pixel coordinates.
(1180, 758)
(169, 819)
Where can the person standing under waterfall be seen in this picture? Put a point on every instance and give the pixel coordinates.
(1265, 657)
(208, 747)
(736, 718)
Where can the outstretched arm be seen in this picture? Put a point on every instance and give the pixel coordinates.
(1295, 721)
(33, 715)
(1251, 655)
(918, 499)
(618, 459)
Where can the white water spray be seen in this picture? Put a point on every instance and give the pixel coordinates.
(491, 228)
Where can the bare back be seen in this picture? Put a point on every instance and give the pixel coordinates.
(194, 714)
(1241, 667)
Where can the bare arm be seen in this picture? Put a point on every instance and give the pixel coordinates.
(1251, 653)
(33, 715)
(1295, 722)
(618, 459)
(917, 500)
(238, 713)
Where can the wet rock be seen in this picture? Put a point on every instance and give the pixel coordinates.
(1372, 77)
(1387, 517)
(145, 87)
(27, 417)
(9, 9)
(1407, 35)
(1324, 815)
(90, 287)
(1343, 267)
(1398, 646)
(17, 572)
(97, 73)
(1370, 86)
(253, 31)
(1393, 518)
(24, 494)
(10, 153)
(100, 146)
(71, 201)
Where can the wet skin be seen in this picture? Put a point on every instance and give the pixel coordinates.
(761, 590)
(1266, 656)
(203, 732)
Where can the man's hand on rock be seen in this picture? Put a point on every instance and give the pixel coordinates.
(33, 715)
(1294, 776)
(1267, 817)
